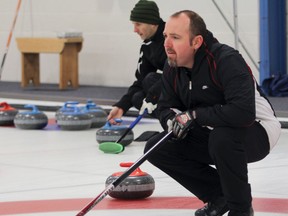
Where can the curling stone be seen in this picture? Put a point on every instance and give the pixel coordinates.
(74, 119)
(98, 115)
(7, 114)
(112, 133)
(68, 106)
(90, 102)
(34, 119)
(138, 185)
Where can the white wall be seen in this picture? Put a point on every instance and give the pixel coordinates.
(110, 49)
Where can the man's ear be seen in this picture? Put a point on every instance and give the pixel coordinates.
(197, 41)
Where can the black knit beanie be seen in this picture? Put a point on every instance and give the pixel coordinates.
(145, 12)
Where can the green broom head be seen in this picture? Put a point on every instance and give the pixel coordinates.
(111, 147)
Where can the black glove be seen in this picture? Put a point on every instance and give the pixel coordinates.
(182, 123)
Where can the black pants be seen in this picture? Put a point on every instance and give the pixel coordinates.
(139, 96)
(189, 161)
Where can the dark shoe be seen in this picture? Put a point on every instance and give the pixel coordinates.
(250, 212)
(216, 208)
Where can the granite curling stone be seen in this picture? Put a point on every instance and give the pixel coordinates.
(33, 119)
(7, 114)
(68, 106)
(74, 119)
(138, 185)
(112, 133)
(90, 102)
(98, 115)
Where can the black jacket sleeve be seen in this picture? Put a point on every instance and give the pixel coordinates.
(152, 58)
(144, 67)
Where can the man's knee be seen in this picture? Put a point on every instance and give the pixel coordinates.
(150, 143)
(137, 99)
(150, 79)
(223, 140)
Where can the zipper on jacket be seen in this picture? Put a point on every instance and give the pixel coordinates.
(190, 89)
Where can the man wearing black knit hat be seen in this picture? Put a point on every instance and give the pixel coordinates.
(145, 90)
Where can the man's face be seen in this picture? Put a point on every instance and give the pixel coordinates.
(144, 30)
(177, 43)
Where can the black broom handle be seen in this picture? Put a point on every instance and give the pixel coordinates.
(116, 182)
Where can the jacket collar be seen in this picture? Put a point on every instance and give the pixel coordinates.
(209, 40)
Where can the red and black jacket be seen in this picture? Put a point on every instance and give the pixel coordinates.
(220, 87)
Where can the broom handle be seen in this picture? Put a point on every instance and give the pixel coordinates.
(9, 37)
(116, 182)
(131, 126)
